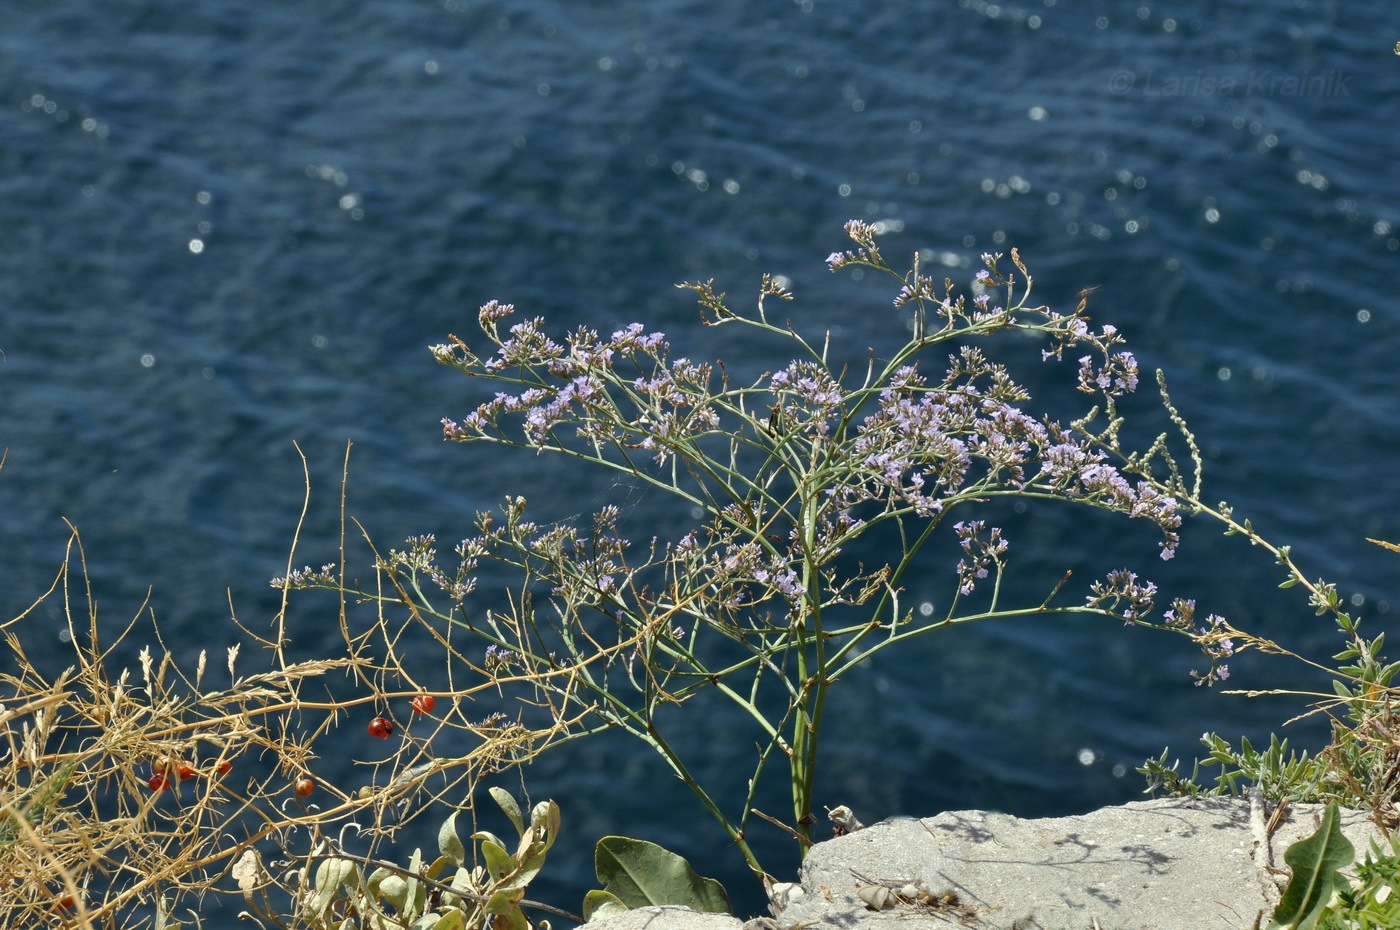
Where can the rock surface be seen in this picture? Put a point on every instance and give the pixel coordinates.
(1168, 864)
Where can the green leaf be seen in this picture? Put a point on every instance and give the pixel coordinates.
(489, 837)
(505, 900)
(602, 904)
(639, 874)
(330, 874)
(452, 920)
(434, 870)
(449, 844)
(499, 863)
(1316, 863)
(376, 878)
(514, 920)
(545, 817)
(507, 803)
(394, 889)
(417, 898)
(529, 868)
(461, 881)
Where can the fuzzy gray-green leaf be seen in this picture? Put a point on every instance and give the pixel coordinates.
(507, 803)
(330, 875)
(449, 844)
(499, 863)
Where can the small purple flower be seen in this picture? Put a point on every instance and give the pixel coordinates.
(786, 582)
(498, 658)
(1181, 614)
(494, 310)
(1212, 675)
(632, 340)
(981, 553)
(1120, 593)
(861, 232)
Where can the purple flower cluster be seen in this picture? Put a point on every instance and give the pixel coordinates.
(863, 234)
(1116, 377)
(526, 346)
(308, 578)
(823, 450)
(983, 315)
(1216, 643)
(498, 659)
(914, 447)
(1105, 485)
(918, 287)
(541, 418)
(819, 397)
(921, 289)
(980, 553)
(491, 312)
(1121, 594)
(920, 446)
(1070, 467)
(674, 406)
(571, 385)
(1214, 638)
(835, 524)
(1181, 614)
(635, 340)
(779, 574)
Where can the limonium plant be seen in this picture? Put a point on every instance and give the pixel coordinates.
(760, 599)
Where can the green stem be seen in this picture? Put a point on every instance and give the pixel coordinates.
(737, 835)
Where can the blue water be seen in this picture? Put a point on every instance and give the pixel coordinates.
(228, 227)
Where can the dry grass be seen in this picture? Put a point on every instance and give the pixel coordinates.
(86, 842)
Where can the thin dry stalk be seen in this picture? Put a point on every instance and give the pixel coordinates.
(129, 792)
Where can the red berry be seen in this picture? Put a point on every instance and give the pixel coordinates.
(186, 771)
(424, 704)
(159, 782)
(381, 727)
(304, 786)
(224, 767)
(66, 902)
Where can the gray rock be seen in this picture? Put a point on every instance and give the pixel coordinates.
(667, 917)
(1169, 864)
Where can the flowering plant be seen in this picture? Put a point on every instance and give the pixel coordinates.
(756, 600)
